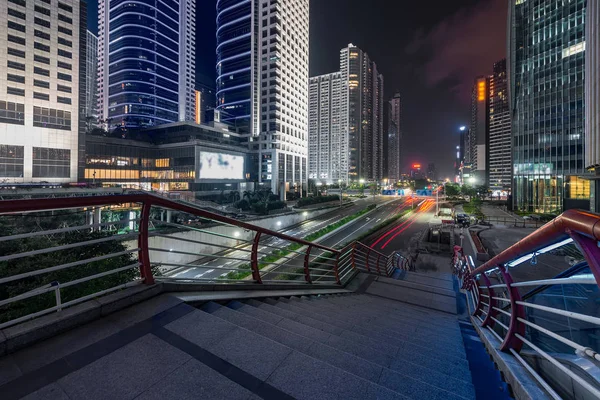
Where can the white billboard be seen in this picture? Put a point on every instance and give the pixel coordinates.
(221, 166)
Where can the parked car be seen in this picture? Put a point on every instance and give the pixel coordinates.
(462, 219)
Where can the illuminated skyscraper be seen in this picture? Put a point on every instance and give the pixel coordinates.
(146, 62)
(592, 100)
(42, 90)
(500, 139)
(327, 129)
(479, 131)
(365, 114)
(262, 83)
(394, 133)
(546, 62)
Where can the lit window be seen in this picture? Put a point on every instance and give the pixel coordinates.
(572, 50)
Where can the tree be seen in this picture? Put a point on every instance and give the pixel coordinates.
(234, 196)
(28, 223)
(452, 189)
(482, 191)
(467, 190)
(248, 195)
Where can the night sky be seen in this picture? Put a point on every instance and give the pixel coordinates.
(430, 51)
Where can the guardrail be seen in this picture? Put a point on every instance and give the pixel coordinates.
(544, 326)
(59, 252)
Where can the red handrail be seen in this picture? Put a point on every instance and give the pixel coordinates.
(585, 225)
(16, 206)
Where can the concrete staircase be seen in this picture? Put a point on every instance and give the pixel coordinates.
(374, 342)
(353, 346)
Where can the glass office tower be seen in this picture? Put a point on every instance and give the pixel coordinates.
(146, 62)
(546, 68)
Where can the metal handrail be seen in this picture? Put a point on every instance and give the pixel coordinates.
(584, 230)
(295, 258)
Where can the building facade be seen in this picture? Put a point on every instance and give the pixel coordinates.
(365, 114)
(201, 160)
(546, 63)
(500, 139)
(327, 129)
(262, 84)
(42, 90)
(394, 136)
(592, 101)
(146, 62)
(479, 132)
(359, 151)
(91, 77)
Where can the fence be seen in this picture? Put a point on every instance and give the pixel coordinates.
(541, 322)
(55, 253)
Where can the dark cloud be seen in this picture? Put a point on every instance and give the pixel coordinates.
(463, 45)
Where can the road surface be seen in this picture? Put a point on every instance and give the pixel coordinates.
(215, 267)
(397, 236)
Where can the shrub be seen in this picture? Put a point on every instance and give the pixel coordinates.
(243, 204)
(307, 201)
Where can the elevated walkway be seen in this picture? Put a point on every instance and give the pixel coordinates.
(86, 314)
(375, 343)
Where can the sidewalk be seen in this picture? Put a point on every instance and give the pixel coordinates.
(499, 238)
(495, 213)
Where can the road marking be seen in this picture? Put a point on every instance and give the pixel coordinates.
(183, 272)
(368, 222)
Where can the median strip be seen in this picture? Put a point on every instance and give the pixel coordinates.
(278, 255)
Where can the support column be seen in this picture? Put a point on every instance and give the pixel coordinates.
(97, 217)
(169, 215)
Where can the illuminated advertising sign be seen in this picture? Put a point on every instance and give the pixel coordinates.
(481, 90)
(220, 166)
(416, 166)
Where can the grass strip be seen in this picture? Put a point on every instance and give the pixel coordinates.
(277, 255)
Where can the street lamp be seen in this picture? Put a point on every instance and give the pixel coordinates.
(341, 192)
(472, 180)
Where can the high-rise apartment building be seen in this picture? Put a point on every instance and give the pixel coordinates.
(328, 129)
(365, 113)
(479, 132)
(91, 76)
(394, 136)
(146, 62)
(262, 83)
(546, 63)
(500, 139)
(361, 120)
(42, 90)
(431, 172)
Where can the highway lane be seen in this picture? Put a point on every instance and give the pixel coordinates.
(345, 235)
(214, 267)
(397, 236)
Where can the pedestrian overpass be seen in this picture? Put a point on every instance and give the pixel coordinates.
(95, 308)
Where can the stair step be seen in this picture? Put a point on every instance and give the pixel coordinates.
(359, 324)
(325, 327)
(396, 308)
(405, 360)
(389, 346)
(294, 373)
(412, 383)
(345, 361)
(406, 323)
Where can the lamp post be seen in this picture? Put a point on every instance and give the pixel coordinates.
(341, 193)
(437, 202)
(362, 187)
